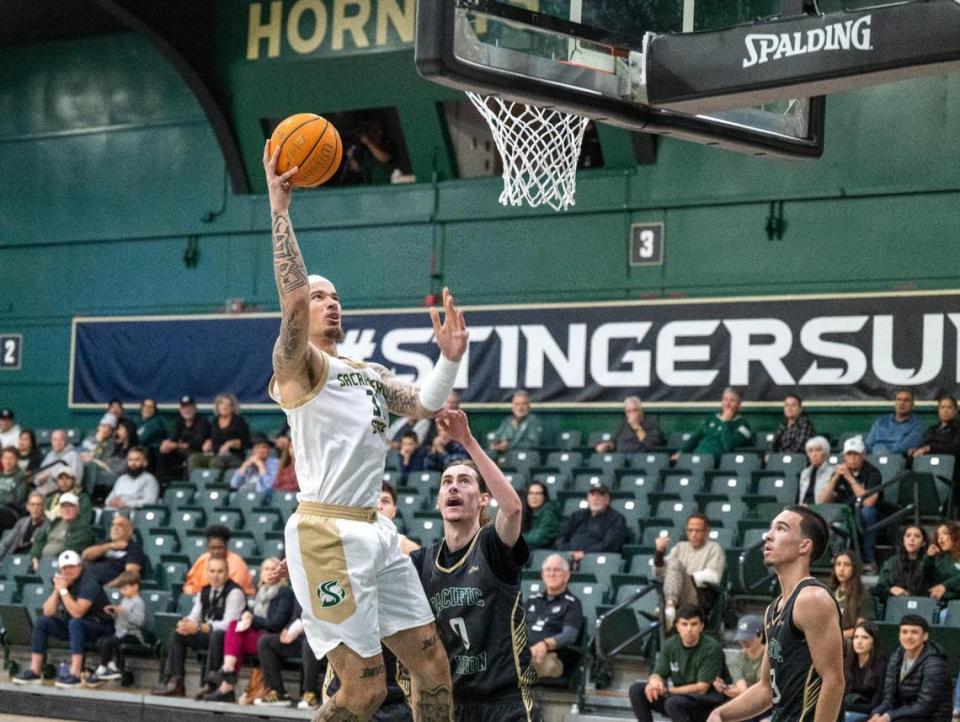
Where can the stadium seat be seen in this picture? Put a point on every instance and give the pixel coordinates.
(285, 502)
(200, 478)
(739, 461)
(516, 478)
(573, 504)
(590, 594)
(765, 439)
(230, 518)
(155, 601)
(952, 618)
(633, 511)
(409, 502)
(47, 569)
(247, 501)
(675, 511)
(889, 465)
(586, 480)
(598, 436)
(608, 462)
(788, 464)
(178, 495)
(677, 439)
(213, 497)
(781, 488)
(393, 460)
(159, 543)
(642, 566)
(74, 436)
(726, 514)
(427, 527)
(679, 485)
(554, 481)
(940, 465)
(724, 537)
(8, 591)
(524, 459)
(273, 546)
(696, 462)
(148, 517)
(392, 477)
(262, 521)
(650, 462)
(188, 519)
(17, 565)
(537, 556)
(172, 573)
(640, 484)
(602, 565)
(898, 606)
(428, 481)
(33, 595)
(568, 439)
(652, 531)
(43, 436)
(194, 544)
(564, 460)
(723, 485)
(243, 544)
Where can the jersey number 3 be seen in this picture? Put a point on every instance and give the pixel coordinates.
(773, 687)
(379, 421)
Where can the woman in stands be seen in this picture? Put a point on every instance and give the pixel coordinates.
(541, 518)
(864, 670)
(905, 573)
(287, 475)
(270, 613)
(229, 437)
(30, 456)
(856, 603)
(944, 557)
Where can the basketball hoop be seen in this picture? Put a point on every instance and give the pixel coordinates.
(540, 148)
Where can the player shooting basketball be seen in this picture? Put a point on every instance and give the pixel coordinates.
(345, 565)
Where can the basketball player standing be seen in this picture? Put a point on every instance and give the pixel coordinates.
(801, 676)
(345, 565)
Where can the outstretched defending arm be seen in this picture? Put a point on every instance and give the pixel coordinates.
(291, 352)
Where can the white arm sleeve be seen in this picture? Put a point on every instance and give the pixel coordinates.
(438, 384)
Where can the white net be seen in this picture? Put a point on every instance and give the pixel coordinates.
(540, 148)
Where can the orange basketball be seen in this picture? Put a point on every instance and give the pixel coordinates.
(310, 142)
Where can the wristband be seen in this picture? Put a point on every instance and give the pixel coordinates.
(63, 592)
(438, 384)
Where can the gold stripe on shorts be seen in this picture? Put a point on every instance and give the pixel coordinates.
(325, 566)
(334, 511)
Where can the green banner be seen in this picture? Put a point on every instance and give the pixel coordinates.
(291, 29)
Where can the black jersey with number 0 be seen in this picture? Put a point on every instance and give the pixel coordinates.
(794, 681)
(480, 621)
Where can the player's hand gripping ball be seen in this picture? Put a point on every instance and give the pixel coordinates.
(311, 143)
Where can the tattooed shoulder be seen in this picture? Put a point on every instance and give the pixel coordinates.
(403, 398)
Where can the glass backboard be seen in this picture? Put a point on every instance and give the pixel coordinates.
(587, 57)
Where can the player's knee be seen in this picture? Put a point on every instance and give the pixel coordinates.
(363, 696)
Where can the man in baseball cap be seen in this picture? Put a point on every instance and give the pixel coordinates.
(597, 528)
(744, 666)
(69, 531)
(9, 431)
(187, 437)
(73, 612)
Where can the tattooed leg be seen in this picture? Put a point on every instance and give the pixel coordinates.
(432, 705)
(424, 657)
(333, 712)
(362, 687)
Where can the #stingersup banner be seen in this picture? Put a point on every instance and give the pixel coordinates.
(853, 349)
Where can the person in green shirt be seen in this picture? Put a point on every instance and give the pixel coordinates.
(722, 433)
(744, 666)
(13, 488)
(67, 532)
(541, 518)
(691, 661)
(150, 430)
(520, 430)
(944, 561)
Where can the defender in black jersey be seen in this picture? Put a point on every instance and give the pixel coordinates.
(472, 581)
(801, 676)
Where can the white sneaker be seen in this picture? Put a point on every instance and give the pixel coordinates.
(112, 667)
(669, 616)
(101, 670)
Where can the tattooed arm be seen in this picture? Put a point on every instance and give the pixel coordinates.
(291, 352)
(403, 398)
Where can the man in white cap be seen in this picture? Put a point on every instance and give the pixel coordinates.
(73, 613)
(851, 479)
(9, 430)
(61, 450)
(68, 532)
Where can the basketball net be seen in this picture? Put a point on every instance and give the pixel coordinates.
(540, 148)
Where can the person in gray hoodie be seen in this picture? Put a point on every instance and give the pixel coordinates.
(128, 621)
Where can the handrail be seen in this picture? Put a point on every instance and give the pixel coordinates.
(644, 632)
(899, 478)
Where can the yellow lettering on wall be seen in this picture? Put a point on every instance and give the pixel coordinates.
(300, 44)
(353, 24)
(398, 13)
(257, 30)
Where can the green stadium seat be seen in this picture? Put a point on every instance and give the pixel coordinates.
(583, 481)
(428, 481)
(790, 464)
(889, 465)
(8, 591)
(285, 502)
(739, 462)
(633, 511)
(188, 519)
(230, 518)
(178, 495)
(555, 481)
(765, 439)
(200, 478)
(724, 537)
(517, 479)
(677, 439)
(262, 521)
(724, 485)
(273, 546)
(694, 462)
(172, 571)
(33, 595)
(940, 465)
(524, 459)
(924, 606)
(675, 511)
(781, 488)
(409, 502)
(597, 437)
(573, 504)
(393, 460)
(602, 565)
(650, 462)
(537, 556)
(679, 485)
(426, 527)
(193, 544)
(589, 593)
(43, 436)
(213, 497)
(568, 439)
(247, 501)
(183, 606)
(726, 514)
(243, 544)
(74, 436)
(564, 460)
(17, 565)
(640, 484)
(148, 517)
(641, 565)
(392, 477)
(952, 618)
(656, 529)
(47, 569)
(609, 461)
(159, 543)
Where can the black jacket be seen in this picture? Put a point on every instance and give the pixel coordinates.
(278, 612)
(606, 532)
(924, 693)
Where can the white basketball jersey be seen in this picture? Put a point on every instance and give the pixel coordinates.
(338, 432)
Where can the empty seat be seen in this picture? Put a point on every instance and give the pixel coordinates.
(243, 544)
(642, 566)
(149, 517)
(676, 511)
(33, 595)
(586, 480)
(564, 460)
(178, 495)
(889, 465)
(516, 478)
(597, 437)
(273, 546)
(677, 439)
(522, 459)
(213, 497)
(160, 543)
(17, 565)
(650, 462)
(653, 531)
(940, 465)
(427, 527)
(725, 513)
(898, 606)
(611, 460)
(568, 439)
(778, 487)
(172, 574)
(728, 486)
(694, 462)
(639, 484)
(230, 518)
(602, 565)
(247, 500)
(633, 510)
(789, 464)
(200, 478)
(188, 519)
(739, 461)
(682, 485)
(554, 481)
(725, 537)
(574, 504)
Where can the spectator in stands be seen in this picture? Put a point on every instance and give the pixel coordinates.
(98, 446)
(128, 619)
(29, 454)
(229, 437)
(259, 472)
(598, 528)
(520, 430)
(290, 642)
(125, 438)
(286, 471)
(282, 438)
(68, 532)
(117, 556)
(541, 517)
(853, 478)
(944, 436)
(944, 572)
(917, 683)
(115, 407)
(793, 432)
(855, 602)
(215, 605)
(24, 534)
(692, 571)
(444, 451)
(637, 432)
(905, 573)
(744, 666)
(422, 429)
(151, 430)
(136, 487)
(899, 432)
(14, 488)
(217, 538)
(814, 477)
(60, 453)
(387, 506)
(554, 620)
(73, 612)
(67, 484)
(189, 434)
(412, 457)
(864, 670)
(269, 613)
(9, 431)
(692, 660)
(722, 432)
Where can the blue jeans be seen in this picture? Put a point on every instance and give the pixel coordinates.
(79, 632)
(855, 717)
(869, 515)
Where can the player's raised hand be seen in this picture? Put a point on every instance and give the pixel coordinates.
(278, 186)
(454, 423)
(452, 336)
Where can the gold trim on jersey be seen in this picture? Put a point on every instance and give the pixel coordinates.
(466, 554)
(310, 395)
(353, 363)
(811, 693)
(335, 511)
(325, 566)
(525, 677)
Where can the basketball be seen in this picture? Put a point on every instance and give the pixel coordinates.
(310, 142)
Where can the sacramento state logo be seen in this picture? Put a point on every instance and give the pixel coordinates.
(330, 593)
(774, 651)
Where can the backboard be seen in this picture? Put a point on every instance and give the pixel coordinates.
(588, 57)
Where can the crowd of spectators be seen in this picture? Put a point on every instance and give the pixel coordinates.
(51, 497)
